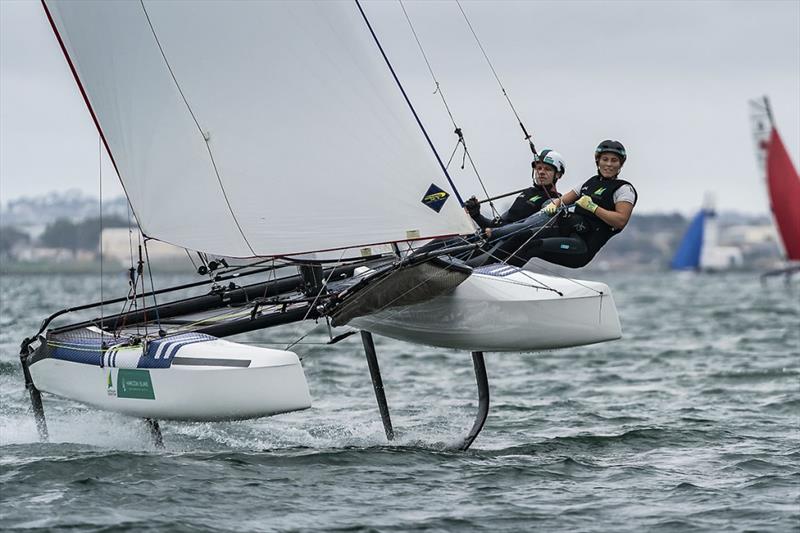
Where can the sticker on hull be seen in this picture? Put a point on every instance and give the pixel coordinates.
(135, 383)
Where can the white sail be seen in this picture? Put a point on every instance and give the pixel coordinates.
(255, 128)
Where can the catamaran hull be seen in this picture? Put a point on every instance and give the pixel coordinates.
(273, 383)
(503, 309)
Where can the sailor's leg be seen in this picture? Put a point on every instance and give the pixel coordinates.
(437, 244)
(35, 395)
(155, 432)
(377, 383)
(483, 399)
(570, 252)
(500, 251)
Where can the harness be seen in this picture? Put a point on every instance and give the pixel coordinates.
(601, 192)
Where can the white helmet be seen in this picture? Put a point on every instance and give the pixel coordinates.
(552, 158)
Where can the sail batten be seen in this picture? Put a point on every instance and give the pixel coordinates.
(255, 128)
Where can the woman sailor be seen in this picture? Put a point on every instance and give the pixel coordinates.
(548, 167)
(603, 206)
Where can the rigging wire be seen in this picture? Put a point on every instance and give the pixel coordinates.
(408, 101)
(152, 286)
(189, 255)
(131, 270)
(323, 287)
(528, 136)
(100, 174)
(549, 271)
(458, 131)
(393, 312)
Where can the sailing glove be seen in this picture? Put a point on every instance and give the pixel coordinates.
(472, 206)
(550, 208)
(587, 203)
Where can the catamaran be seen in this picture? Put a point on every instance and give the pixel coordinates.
(207, 115)
(699, 249)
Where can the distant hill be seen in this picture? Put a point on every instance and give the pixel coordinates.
(71, 220)
(72, 205)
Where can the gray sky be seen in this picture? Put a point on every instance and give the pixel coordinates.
(670, 80)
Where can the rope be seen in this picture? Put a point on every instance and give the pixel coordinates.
(189, 255)
(458, 131)
(408, 101)
(152, 285)
(100, 173)
(323, 287)
(500, 83)
(549, 271)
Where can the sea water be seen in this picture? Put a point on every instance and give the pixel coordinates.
(690, 422)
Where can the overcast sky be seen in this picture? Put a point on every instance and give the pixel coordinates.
(670, 80)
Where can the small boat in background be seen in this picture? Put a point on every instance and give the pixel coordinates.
(783, 184)
(700, 250)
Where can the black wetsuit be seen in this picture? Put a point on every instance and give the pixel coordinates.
(526, 204)
(571, 240)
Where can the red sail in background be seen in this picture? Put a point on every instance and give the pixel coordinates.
(783, 184)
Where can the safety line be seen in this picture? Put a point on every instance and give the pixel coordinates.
(458, 131)
(408, 101)
(528, 136)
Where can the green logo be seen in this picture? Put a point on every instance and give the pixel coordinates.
(599, 191)
(133, 383)
(533, 199)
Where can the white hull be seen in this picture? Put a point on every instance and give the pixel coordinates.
(273, 383)
(505, 313)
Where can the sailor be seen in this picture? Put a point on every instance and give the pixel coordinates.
(603, 206)
(547, 167)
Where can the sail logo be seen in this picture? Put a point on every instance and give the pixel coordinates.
(534, 199)
(435, 198)
(599, 191)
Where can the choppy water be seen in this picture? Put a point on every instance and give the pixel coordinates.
(691, 422)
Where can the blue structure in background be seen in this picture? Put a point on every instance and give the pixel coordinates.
(687, 257)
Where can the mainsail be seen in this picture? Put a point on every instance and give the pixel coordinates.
(256, 128)
(783, 181)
